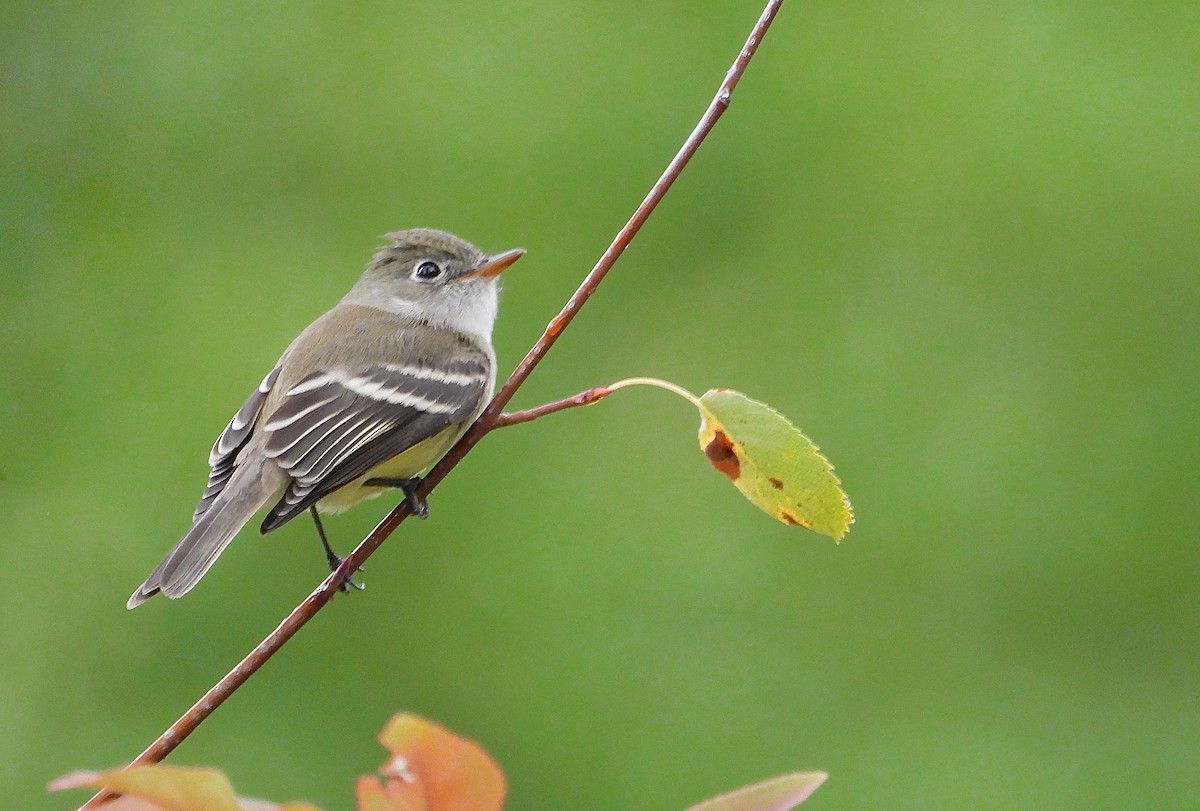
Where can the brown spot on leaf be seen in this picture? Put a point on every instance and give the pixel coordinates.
(793, 520)
(776, 483)
(722, 455)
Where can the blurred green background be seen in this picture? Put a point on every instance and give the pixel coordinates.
(956, 243)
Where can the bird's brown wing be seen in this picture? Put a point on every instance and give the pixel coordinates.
(231, 441)
(333, 426)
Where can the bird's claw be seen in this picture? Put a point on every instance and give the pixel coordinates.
(348, 582)
(416, 505)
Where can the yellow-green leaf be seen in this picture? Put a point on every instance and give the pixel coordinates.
(169, 788)
(774, 465)
(157, 787)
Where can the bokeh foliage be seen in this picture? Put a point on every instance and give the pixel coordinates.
(956, 243)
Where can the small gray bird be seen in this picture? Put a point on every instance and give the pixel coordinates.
(368, 396)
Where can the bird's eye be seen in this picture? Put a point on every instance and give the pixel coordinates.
(428, 270)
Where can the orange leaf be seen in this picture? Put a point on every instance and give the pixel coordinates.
(391, 794)
(431, 769)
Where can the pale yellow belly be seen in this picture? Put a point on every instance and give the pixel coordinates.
(404, 466)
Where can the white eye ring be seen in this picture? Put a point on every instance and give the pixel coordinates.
(427, 270)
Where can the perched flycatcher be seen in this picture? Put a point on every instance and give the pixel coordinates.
(370, 395)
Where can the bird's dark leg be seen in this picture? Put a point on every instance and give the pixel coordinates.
(416, 505)
(332, 557)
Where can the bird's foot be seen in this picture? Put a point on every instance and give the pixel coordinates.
(416, 505)
(334, 559)
(348, 582)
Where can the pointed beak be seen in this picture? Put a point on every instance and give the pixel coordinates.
(495, 265)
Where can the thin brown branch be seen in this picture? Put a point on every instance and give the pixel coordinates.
(659, 190)
(583, 398)
(491, 418)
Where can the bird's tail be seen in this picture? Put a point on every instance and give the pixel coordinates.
(199, 548)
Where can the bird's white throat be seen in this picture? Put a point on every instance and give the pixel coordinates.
(472, 310)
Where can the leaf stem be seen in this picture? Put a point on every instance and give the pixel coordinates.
(491, 418)
(662, 384)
